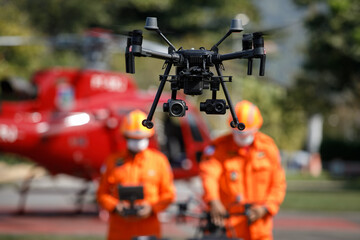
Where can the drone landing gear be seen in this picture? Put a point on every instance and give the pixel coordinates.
(147, 122)
(235, 122)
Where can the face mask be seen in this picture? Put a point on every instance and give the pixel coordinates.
(242, 139)
(137, 145)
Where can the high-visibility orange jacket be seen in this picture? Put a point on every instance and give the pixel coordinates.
(149, 168)
(237, 176)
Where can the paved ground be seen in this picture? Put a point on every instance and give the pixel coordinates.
(288, 225)
(52, 212)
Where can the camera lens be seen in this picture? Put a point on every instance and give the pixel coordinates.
(213, 106)
(177, 109)
(219, 107)
(206, 106)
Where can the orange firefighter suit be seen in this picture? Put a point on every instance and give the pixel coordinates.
(149, 168)
(240, 175)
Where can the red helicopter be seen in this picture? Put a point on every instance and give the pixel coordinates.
(67, 121)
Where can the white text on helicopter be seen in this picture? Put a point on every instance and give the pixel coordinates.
(8, 133)
(109, 83)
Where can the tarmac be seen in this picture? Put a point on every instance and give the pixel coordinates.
(52, 208)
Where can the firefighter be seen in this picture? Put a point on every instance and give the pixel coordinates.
(241, 172)
(138, 165)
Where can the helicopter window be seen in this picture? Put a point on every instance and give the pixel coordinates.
(194, 129)
(171, 140)
(14, 88)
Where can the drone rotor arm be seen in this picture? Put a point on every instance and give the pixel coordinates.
(159, 55)
(236, 55)
(247, 54)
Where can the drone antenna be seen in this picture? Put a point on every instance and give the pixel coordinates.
(236, 26)
(151, 25)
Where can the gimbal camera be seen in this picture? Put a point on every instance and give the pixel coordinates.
(193, 72)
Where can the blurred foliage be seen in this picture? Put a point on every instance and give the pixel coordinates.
(179, 16)
(23, 60)
(65, 16)
(19, 60)
(330, 80)
(283, 120)
(184, 22)
(10, 158)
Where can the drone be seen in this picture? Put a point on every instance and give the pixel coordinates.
(193, 70)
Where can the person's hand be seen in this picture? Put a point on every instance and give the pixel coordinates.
(257, 212)
(119, 208)
(145, 210)
(217, 212)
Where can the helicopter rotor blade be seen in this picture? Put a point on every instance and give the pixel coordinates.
(12, 41)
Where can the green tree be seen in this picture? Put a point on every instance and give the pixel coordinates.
(283, 120)
(57, 16)
(17, 60)
(25, 58)
(330, 80)
(186, 23)
(180, 17)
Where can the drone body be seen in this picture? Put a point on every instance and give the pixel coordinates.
(193, 70)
